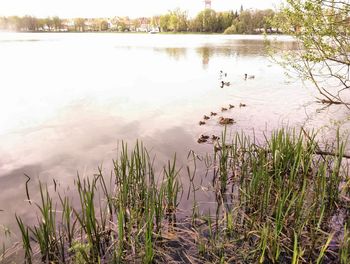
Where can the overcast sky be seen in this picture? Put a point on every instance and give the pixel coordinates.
(131, 8)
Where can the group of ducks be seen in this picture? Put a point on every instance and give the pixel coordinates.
(205, 138)
(222, 120)
(226, 83)
(223, 83)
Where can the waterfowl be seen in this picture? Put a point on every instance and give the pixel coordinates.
(231, 106)
(248, 77)
(223, 109)
(213, 137)
(213, 113)
(242, 105)
(206, 117)
(224, 84)
(225, 121)
(203, 139)
(201, 123)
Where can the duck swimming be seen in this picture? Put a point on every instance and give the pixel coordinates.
(203, 139)
(213, 137)
(223, 109)
(200, 140)
(226, 121)
(213, 113)
(231, 106)
(248, 77)
(205, 117)
(224, 84)
(201, 123)
(242, 105)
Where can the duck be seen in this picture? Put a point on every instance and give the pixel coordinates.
(226, 121)
(248, 77)
(213, 137)
(201, 123)
(223, 109)
(231, 106)
(203, 139)
(213, 113)
(242, 105)
(224, 84)
(205, 117)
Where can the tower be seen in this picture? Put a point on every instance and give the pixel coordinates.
(207, 4)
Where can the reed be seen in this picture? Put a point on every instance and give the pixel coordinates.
(273, 203)
(25, 240)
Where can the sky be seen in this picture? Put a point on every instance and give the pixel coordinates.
(110, 8)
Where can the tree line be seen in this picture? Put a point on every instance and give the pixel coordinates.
(30, 23)
(210, 21)
(206, 21)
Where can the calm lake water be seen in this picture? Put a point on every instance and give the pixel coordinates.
(68, 100)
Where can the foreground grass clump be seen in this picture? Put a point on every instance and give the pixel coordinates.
(274, 203)
(118, 222)
(277, 202)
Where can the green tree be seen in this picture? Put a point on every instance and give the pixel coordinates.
(206, 21)
(41, 23)
(246, 22)
(57, 23)
(261, 19)
(79, 24)
(155, 21)
(3, 23)
(122, 26)
(176, 21)
(322, 31)
(49, 23)
(29, 23)
(103, 25)
(164, 22)
(15, 23)
(231, 30)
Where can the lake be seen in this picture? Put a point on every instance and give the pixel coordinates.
(68, 100)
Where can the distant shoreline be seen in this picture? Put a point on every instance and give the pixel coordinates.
(144, 33)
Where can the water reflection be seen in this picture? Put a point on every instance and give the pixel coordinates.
(100, 89)
(230, 48)
(174, 53)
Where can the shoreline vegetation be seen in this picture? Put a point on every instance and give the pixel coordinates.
(176, 21)
(275, 202)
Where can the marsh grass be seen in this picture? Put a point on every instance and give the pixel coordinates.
(273, 204)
